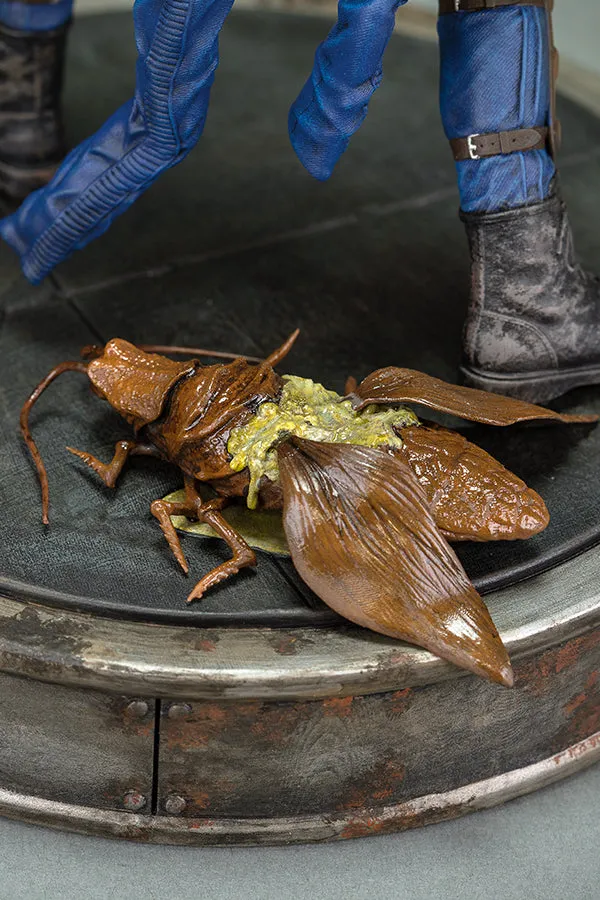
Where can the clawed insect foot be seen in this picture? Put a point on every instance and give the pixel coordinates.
(95, 464)
(221, 573)
(108, 472)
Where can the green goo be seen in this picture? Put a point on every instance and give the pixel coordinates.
(309, 410)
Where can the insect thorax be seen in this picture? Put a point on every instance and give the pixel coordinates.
(309, 410)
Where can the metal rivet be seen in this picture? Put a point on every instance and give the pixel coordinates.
(179, 710)
(174, 804)
(134, 801)
(137, 708)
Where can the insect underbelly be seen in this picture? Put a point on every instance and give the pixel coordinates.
(238, 484)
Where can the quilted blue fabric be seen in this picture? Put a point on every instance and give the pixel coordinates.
(177, 43)
(495, 77)
(35, 16)
(347, 70)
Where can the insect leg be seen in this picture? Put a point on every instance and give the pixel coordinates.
(194, 507)
(243, 555)
(109, 472)
(162, 510)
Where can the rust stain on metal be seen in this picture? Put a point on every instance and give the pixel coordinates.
(383, 794)
(578, 750)
(338, 707)
(362, 827)
(535, 675)
(401, 700)
(201, 824)
(206, 722)
(114, 793)
(272, 723)
(206, 645)
(138, 728)
(380, 784)
(356, 799)
(199, 800)
(288, 644)
(202, 795)
(582, 713)
(124, 719)
(374, 823)
(285, 645)
(275, 723)
(249, 709)
(580, 699)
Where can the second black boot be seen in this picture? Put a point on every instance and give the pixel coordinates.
(533, 327)
(31, 133)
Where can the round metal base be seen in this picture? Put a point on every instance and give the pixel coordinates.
(208, 736)
(125, 714)
(427, 810)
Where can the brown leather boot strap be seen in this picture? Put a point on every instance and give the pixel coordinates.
(480, 146)
(553, 59)
(454, 6)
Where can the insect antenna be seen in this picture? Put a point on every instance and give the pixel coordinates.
(69, 366)
(194, 351)
(282, 351)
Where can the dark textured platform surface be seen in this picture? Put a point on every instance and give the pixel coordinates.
(234, 249)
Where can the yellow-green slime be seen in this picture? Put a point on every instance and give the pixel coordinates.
(309, 410)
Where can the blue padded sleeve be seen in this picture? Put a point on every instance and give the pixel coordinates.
(347, 70)
(495, 77)
(35, 16)
(177, 43)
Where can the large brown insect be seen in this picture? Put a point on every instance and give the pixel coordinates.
(370, 495)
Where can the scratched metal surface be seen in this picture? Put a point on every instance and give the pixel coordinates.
(358, 756)
(234, 249)
(248, 770)
(74, 746)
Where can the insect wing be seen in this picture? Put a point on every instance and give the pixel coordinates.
(393, 385)
(362, 537)
(471, 495)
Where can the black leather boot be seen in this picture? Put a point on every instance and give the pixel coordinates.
(533, 327)
(31, 134)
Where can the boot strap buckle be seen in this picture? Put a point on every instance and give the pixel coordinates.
(502, 143)
(472, 146)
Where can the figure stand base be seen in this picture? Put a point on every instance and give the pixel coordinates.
(256, 716)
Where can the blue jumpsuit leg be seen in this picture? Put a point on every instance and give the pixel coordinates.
(35, 16)
(347, 70)
(177, 43)
(495, 77)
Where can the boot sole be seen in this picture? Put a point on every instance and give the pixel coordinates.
(538, 387)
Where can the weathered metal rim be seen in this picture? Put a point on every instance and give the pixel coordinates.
(93, 652)
(426, 810)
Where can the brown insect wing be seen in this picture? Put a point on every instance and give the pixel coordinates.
(362, 537)
(394, 385)
(471, 495)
